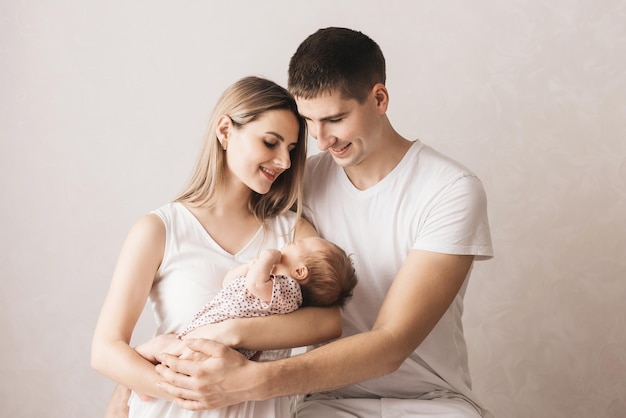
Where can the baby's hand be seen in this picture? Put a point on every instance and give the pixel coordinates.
(166, 343)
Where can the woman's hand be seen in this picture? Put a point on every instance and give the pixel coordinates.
(166, 343)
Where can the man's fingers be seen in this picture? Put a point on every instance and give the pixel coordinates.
(174, 369)
(179, 393)
(186, 398)
(191, 405)
(196, 383)
(145, 398)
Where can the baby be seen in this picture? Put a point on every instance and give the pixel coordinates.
(309, 272)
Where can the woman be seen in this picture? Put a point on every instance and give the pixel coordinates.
(237, 203)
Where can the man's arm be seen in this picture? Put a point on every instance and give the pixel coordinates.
(422, 291)
(118, 405)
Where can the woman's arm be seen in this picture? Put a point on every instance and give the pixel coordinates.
(134, 273)
(305, 326)
(165, 343)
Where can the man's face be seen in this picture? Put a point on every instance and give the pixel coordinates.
(346, 128)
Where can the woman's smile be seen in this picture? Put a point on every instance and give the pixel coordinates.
(269, 173)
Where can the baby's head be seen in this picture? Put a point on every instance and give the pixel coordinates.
(328, 277)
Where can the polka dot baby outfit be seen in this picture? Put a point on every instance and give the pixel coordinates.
(235, 301)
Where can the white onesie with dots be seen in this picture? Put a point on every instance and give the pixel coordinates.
(236, 301)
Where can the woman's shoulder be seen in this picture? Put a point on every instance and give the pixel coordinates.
(175, 213)
(168, 209)
(148, 231)
(286, 219)
(291, 227)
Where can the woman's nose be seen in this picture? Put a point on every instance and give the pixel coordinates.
(283, 159)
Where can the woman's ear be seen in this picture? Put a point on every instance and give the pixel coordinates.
(222, 130)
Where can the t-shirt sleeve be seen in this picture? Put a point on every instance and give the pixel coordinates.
(456, 221)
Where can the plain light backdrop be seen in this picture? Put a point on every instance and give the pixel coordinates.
(103, 106)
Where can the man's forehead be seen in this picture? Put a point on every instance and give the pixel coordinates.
(323, 106)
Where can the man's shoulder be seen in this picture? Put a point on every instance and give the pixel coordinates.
(429, 163)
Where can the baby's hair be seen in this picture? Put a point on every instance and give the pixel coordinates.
(332, 277)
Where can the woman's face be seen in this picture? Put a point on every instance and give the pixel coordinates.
(259, 151)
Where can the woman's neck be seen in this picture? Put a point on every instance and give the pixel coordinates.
(228, 219)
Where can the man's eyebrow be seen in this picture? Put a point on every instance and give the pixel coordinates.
(330, 117)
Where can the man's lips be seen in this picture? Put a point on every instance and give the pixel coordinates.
(339, 151)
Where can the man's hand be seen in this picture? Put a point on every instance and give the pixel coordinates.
(216, 376)
(118, 405)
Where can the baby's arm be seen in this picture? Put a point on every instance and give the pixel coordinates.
(237, 271)
(258, 278)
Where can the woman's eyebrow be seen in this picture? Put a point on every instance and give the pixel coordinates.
(277, 135)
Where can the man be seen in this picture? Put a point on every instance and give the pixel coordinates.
(414, 221)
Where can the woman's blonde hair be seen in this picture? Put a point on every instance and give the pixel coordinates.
(245, 101)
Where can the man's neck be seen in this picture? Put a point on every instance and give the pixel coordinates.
(379, 163)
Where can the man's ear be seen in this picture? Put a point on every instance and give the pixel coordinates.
(301, 273)
(222, 130)
(381, 95)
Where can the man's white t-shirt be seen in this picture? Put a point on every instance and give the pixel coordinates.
(427, 202)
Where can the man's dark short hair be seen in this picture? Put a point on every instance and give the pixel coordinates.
(336, 59)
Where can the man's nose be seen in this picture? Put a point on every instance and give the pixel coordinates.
(323, 137)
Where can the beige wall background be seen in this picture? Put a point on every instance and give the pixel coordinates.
(103, 105)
